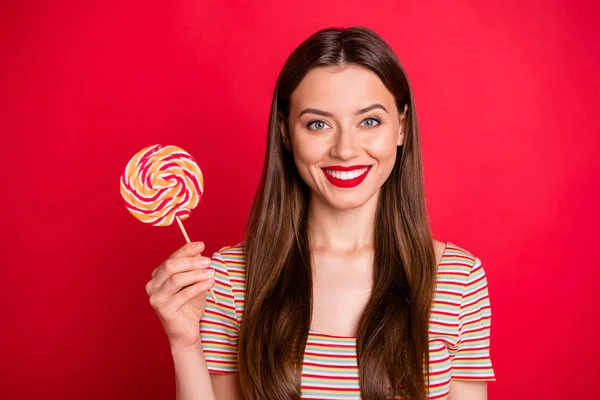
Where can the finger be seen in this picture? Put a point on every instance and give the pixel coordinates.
(189, 250)
(188, 293)
(177, 265)
(179, 281)
(149, 288)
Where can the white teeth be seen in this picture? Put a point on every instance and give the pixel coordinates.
(346, 175)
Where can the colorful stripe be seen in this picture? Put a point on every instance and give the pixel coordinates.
(160, 183)
(459, 330)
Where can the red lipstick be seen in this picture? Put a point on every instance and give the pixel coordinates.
(339, 181)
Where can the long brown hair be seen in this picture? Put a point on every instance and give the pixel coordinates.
(392, 338)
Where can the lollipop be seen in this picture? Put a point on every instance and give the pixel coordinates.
(162, 184)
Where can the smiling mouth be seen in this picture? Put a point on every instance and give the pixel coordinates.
(346, 177)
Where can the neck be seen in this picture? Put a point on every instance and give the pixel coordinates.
(334, 229)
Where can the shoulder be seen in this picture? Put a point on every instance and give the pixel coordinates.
(232, 254)
(233, 261)
(458, 268)
(230, 279)
(461, 287)
(459, 257)
(459, 254)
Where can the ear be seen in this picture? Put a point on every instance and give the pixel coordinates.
(402, 127)
(285, 135)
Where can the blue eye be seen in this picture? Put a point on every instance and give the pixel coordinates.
(372, 122)
(317, 125)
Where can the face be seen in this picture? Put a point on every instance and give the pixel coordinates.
(344, 133)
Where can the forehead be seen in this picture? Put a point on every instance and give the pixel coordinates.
(340, 90)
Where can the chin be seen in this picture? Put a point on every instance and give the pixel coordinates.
(349, 201)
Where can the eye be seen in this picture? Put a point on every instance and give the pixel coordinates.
(316, 125)
(371, 122)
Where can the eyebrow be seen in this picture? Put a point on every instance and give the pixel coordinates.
(328, 114)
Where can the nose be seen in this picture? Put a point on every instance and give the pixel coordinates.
(346, 144)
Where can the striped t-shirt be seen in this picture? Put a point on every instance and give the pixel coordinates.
(459, 330)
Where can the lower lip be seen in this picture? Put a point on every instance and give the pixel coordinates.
(348, 183)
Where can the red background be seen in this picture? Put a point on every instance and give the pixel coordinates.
(507, 96)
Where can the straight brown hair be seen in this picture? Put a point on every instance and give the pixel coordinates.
(392, 338)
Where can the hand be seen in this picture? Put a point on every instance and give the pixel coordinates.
(177, 293)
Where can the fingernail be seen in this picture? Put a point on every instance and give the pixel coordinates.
(209, 272)
(205, 260)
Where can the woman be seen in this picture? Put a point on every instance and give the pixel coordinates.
(338, 268)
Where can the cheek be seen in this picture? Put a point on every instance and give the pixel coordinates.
(307, 151)
(384, 148)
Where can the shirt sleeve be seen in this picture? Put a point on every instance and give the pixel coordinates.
(219, 326)
(472, 359)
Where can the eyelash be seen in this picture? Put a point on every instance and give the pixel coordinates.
(318, 120)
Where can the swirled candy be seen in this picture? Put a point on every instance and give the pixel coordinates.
(161, 183)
